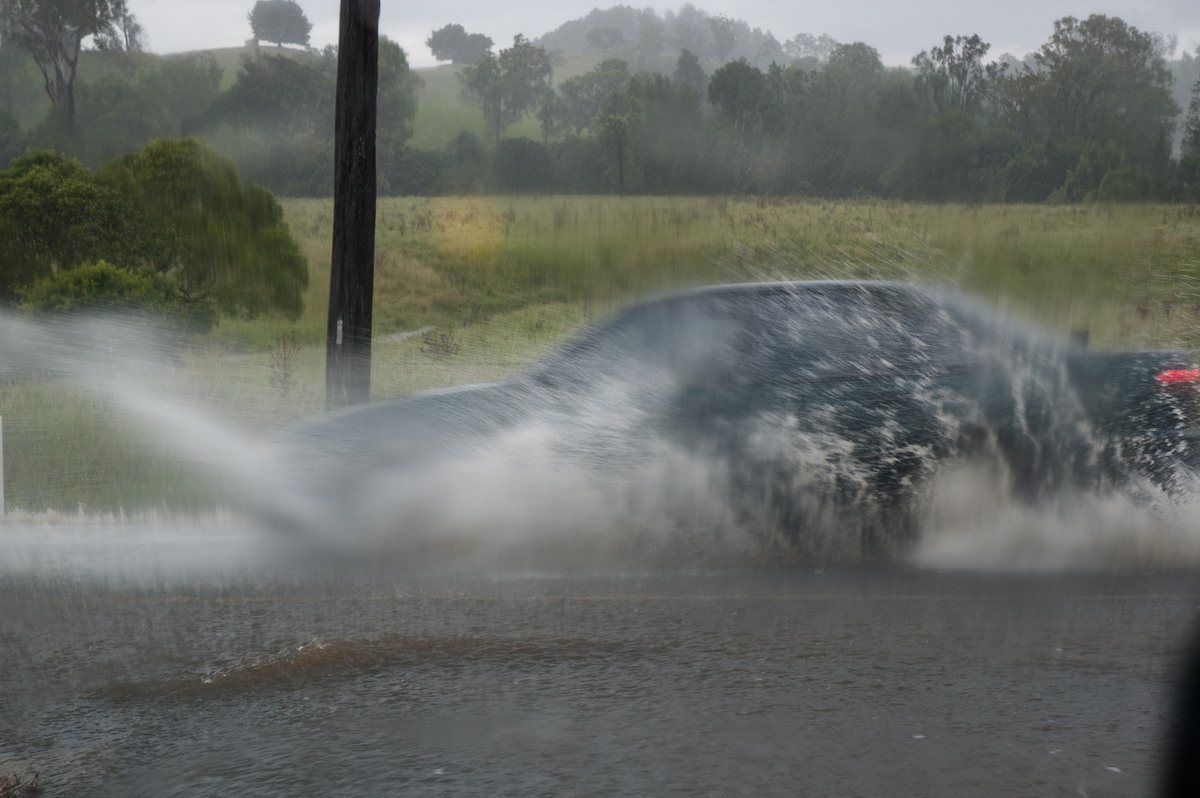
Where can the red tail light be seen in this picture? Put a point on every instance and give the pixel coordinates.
(1178, 378)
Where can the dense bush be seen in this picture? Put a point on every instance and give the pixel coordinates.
(103, 287)
(176, 209)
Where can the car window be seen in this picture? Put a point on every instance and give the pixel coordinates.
(845, 332)
(681, 339)
(811, 333)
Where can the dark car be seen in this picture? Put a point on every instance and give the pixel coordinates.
(813, 413)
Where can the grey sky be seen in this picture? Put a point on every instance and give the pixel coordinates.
(897, 30)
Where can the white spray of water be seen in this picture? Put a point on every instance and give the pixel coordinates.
(527, 491)
(971, 522)
(125, 361)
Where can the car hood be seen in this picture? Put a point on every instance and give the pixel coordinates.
(430, 418)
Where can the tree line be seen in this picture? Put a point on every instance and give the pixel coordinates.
(1090, 116)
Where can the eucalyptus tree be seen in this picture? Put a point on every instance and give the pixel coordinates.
(689, 74)
(279, 21)
(1098, 87)
(582, 98)
(508, 86)
(1101, 79)
(53, 32)
(954, 76)
(452, 43)
(1190, 146)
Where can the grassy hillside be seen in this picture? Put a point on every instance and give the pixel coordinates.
(442, 113)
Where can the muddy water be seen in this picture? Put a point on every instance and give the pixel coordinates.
(199, 662)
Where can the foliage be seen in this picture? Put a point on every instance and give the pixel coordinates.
(55, 215)
(833, 123)
(452, 43)
(276, 120)
(279, 21)
(1094, 82)
(221, 242)
(584, 97)
(397, 100)
(100, 286)
(689, 74)
(1190, 145)
(954, 75)
(176, 209)
(647, 40)
(53, 33)
(279, 95)
(808, 51)
(616, 133)
(508, 86)
(738, 91)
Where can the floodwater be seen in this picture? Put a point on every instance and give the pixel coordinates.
(532, 637)
(178, 660)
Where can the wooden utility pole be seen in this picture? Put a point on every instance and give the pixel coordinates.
(352, 276)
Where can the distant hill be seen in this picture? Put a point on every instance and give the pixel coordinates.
(649, 41)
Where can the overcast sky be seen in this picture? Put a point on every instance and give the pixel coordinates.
(897, 30)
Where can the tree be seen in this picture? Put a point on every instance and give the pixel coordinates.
(809, 51)
(954, 75)
(725, 35)
(1102, 79)
(669, 137)
(1096, 82)
(482, 84)
(1188, 176)
(509, 86)
(279, 95)
(1190, 146)
(842, 125)
(738, 90)
(53, 33)
(606, 38)
(175, 208)
(221, 242)
(55, 215)
(279, 21)
(583, 97)
(689, 74)
(452, 43)
(397, 104)
(616, 134)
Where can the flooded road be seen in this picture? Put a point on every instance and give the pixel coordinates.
(200, 662)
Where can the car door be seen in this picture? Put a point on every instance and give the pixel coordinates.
(874, 381)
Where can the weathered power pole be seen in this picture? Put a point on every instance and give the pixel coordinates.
(352, 276)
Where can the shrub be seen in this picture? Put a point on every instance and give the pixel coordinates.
(101, 286)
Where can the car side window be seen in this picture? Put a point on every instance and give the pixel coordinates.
(838, 332)
(848, 333)
(677, 340)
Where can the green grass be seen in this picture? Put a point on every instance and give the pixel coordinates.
(502, 280)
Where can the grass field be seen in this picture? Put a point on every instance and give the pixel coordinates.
(494, 282)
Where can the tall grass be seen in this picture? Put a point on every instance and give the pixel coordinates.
(471, 289)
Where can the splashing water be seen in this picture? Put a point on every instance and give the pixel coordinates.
(542, 489)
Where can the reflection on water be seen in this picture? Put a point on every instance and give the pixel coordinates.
(176, 661)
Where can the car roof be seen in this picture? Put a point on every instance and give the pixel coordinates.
(792, 287)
